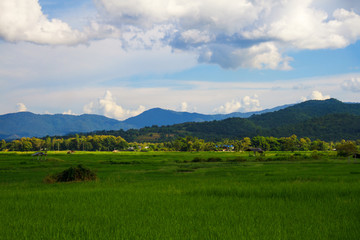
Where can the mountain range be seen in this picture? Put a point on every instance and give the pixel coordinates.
(328, 120)
(27, 124)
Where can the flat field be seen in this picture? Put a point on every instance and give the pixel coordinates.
(210, 195)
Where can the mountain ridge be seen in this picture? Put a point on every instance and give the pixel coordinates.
(27, 124)
(329, 120)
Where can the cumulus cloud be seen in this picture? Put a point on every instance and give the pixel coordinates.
(246, 104)
(299, 25)
(108, 107)
(89, 108)
(184, 106)
(231, 33)
(23, 20)
(237, 33)
(69, 112)
(352, 85)
(315, 95)
(20, 107)
(261, 56)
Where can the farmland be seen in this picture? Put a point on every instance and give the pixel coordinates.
(182, 195)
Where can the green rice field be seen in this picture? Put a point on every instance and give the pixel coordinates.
(173, 195)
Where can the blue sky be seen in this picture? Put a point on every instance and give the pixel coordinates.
(118, 58)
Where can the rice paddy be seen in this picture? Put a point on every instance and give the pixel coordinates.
(206, 195)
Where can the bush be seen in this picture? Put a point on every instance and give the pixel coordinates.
(198, 159)
(238, 159)
(72, 174)
(214, 159)
(315, 154)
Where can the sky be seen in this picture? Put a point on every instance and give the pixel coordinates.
(119, 58)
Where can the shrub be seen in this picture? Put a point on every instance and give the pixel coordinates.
(72, 174)
(238, 159)
(214, 159)
(198, 159)
(315, 154)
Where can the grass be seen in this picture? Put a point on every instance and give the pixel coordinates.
(170, 196)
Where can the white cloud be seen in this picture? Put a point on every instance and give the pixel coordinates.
(23, 20)
(235, 33)
(352, 85)
(229, 107)
(298, 24)
(231, 33)
(201, 96)
(250, 103)
(69, 112)
(89, 108)
(20, 107)
(303, 99)
(262, 56)
(246, 104)
(316, 95)
(108, 107)
(184, 106)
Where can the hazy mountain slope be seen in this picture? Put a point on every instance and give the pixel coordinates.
(286, 121)
(162, 117)
(26, 124)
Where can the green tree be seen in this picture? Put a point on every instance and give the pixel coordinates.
(245, 143)
(2, 145)
(48, 143)
(304, 144)
(346, 149)
(260, 142)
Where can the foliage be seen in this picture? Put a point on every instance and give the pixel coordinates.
(331, 127)
(72, 174)
(182, 144)
(345, 149)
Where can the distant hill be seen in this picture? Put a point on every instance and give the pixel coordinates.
(162, 117)
(27, 124)
(305, 111)
(329, 120)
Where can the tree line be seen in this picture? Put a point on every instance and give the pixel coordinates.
(188, 143)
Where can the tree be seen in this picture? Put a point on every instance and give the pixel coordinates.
(304, 144)
(346, 149)
(260, 142)
(37, 143)
(290, 143)
(319, 145)
(245, 143)
(2, 145)
(26, 144)
(48, 143)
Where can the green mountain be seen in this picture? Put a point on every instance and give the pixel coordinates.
(26, 124)
(305, 111)
(162, 117)
(328, 120)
